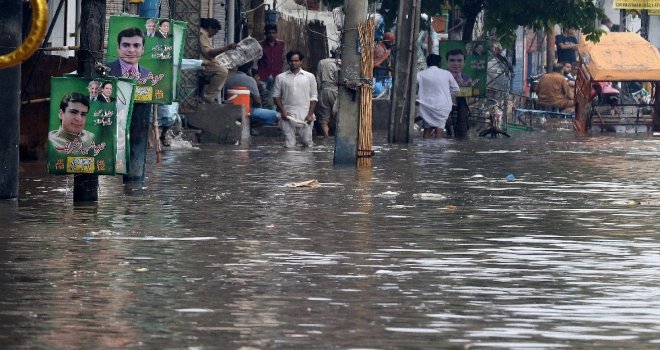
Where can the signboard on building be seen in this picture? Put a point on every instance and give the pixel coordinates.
(637, 5)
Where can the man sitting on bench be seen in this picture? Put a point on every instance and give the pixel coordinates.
(555, 93)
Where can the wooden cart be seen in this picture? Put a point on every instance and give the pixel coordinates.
(617, 57)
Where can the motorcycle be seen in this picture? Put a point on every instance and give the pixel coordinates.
(602, 92)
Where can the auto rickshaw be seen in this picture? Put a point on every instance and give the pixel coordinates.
(617, 85)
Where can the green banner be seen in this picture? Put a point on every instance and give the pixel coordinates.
(143, 49)
(180, 29)
(88, 125)
(468, 63)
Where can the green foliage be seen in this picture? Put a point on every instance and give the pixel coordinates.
(507, 15)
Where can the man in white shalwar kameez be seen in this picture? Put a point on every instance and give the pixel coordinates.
(436, 88)
(295, 96)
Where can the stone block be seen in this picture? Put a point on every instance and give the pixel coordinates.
(218, 123)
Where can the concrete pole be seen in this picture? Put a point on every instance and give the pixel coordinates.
(10, 83)
(550, 50)
(404, 92)
(139, 135)
(92, 29)
(349, 104)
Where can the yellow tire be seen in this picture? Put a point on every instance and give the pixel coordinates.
(34, 38)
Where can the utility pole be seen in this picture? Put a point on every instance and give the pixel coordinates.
(92, 28)
(138, 134)
(231, 21)
(258, 19)
(644, 30)
(347, 119)
(10, 83)
(550, 50)
(404, 94)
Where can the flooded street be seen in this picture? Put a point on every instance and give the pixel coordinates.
(541, 241)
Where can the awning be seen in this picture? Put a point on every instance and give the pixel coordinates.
(621, 56)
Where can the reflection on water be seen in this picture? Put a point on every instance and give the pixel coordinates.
(541, 241)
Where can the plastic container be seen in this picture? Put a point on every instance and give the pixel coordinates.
(246, 50)
(239, 95)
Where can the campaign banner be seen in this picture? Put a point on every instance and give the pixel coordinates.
(144, 49)
(468, 63)
(180, 28)
(126, 90)
(85, 115)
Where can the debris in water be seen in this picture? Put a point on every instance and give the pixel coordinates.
(304, 184)
(430, 196)
(388, 194)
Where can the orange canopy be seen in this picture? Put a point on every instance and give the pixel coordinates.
(620, 56)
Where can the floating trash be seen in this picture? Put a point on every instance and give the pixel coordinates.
(193, 310)
(388, 194)
(304, 184)
(510, 177)
(430, 196)
(450, 208)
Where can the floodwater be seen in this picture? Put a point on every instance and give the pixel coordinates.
(541, 241)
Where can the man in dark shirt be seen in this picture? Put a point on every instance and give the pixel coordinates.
(273, 60)
(241, 78)
(567, 45)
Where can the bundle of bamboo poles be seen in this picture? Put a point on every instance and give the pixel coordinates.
(365, 136)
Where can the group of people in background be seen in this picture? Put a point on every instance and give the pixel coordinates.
(556, 90)
(281, 92)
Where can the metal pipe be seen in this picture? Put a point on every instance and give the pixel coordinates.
(10, 79)
(231, 21)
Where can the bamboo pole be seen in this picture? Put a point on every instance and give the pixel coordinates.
(60, 48)
(365, 132)
(36, 100)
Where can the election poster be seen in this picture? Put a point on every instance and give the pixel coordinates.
(147, 50)
(88, 125)
(468, 64)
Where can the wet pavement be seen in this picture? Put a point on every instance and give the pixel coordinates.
(541, 241)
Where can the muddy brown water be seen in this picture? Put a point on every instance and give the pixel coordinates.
(541, 241)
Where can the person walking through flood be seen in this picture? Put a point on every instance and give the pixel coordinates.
(327, 79)
(436, 88)
(295, 96)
